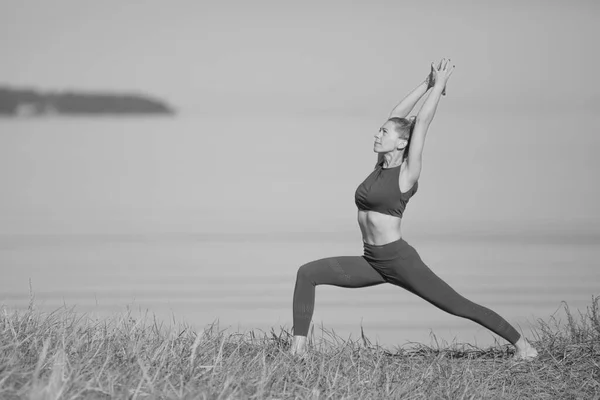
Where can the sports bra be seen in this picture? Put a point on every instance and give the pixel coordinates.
(381, 192)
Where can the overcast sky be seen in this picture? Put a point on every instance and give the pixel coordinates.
(265, 56)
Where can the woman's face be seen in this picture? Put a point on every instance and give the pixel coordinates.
(387, 139)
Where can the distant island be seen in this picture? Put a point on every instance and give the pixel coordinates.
(29, 102)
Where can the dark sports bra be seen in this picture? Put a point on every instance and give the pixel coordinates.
(381, 192)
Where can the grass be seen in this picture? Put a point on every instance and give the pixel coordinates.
(63, 355)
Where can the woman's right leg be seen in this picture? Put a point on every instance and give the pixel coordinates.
(345, 271)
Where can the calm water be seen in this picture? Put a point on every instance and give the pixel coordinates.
(209, 220)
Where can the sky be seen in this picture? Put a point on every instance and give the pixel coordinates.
(220, 57)
(520, 117)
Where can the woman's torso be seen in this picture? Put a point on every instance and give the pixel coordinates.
(381, 200)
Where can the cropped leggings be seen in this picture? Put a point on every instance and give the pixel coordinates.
(397, 263)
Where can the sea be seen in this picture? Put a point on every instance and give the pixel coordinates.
(204, 220)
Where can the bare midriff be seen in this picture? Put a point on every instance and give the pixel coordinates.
(378, 228)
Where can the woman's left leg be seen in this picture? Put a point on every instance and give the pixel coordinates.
(411, 273)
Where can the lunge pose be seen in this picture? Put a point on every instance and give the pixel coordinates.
(381, 200)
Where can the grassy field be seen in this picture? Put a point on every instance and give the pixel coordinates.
(63, 355)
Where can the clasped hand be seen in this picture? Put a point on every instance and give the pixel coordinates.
(440, 74)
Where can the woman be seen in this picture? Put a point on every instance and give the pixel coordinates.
(381, 200)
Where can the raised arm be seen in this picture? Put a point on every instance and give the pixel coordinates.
(408, 103)
(441, 75)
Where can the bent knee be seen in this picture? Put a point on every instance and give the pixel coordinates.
(308, 271)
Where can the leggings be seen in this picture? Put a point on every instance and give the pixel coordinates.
(397, 263)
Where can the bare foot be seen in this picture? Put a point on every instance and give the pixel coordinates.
(524, 350)
(298, 346)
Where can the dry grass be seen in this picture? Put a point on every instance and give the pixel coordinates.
(68, 356)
